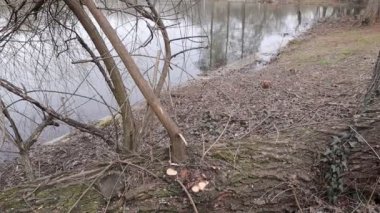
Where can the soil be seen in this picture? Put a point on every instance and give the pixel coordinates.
(255, 135)
(317, 81)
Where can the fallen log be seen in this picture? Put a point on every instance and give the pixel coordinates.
(275, 173)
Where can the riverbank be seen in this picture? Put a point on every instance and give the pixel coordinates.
(309, 84)
(260, 132)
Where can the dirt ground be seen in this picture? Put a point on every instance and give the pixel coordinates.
(274, 116)
(318, 81)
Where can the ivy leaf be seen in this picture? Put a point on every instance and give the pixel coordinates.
(344, 163)
(341, 187)
(328, 152)
(335, 140)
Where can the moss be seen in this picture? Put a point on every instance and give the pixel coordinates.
(11, 200)
(149, 209)
(51, 199)
(165, 192)
(238, 179)
(224, 155)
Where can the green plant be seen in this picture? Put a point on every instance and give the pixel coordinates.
(335, 159)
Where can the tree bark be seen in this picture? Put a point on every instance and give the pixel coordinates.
(177, 140)
(371, 12)
(119, 92)
(374, 86)
(27, 164)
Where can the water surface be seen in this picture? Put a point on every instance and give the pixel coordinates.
(219, 33)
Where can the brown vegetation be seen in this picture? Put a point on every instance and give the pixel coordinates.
(259, 149)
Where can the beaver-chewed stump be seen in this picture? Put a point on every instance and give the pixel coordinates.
(275, 173)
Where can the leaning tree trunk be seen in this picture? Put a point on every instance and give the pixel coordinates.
(119, 92)
(178, 142)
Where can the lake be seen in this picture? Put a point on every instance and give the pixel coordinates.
(218, 33)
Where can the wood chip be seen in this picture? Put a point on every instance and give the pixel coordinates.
(202, 185)
(195, 188)
(171, 172)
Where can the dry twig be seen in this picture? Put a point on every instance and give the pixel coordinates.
(363, 139)
(188, 195)
(217, 140)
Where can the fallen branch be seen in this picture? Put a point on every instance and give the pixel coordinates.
(296, 199)
(139, 167)
(71, 122)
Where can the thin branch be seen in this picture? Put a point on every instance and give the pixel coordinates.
(373, 191)
(18, 140)
(297, 201)
(81, 126)
(220, 136)
(37, 132)
(139, 167)
(187, 37)
(187, 50)
(188, 195)
(88, 188)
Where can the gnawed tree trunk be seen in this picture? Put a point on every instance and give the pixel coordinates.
(119, 92)
(177, 140)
